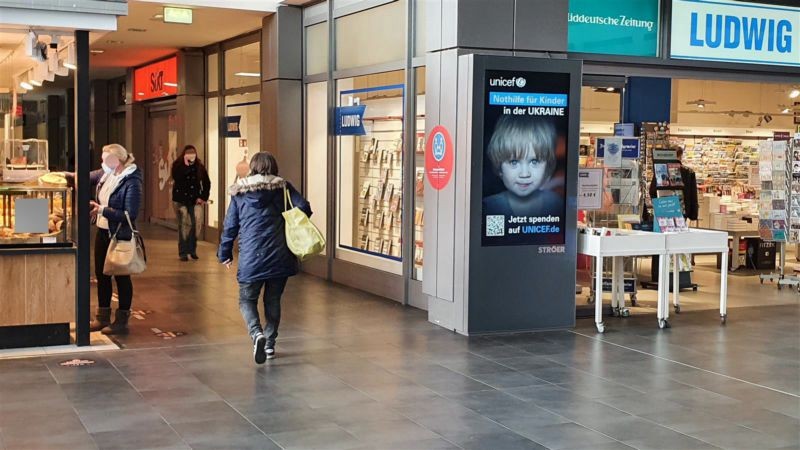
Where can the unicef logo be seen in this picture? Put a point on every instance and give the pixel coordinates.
(438, 146)
(613, 148)
(521, 82)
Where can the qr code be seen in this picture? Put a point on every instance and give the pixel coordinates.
(495, 226)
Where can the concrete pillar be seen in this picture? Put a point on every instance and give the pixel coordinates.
(99, 118)
(191, 101)
(282, 90)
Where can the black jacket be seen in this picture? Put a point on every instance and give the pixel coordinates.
(254, 216)
(190, 183)
(691, 207)
(126, 197)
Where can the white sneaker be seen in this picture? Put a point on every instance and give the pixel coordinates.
(259, 353)
(270, 353)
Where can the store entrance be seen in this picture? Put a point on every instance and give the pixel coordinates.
(162, 149)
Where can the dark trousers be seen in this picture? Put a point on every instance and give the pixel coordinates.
(248, 305)
(104, 287)
(187, 229)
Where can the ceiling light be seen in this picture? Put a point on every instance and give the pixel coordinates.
(25, 85)
(158, 16)
(32, 79)
(785, 111)
(701, 106)
(794, 94)
(170, 84)
(609, 89)
(247, 74)
(96, 51)
(137, 30)
(140, 93)
(71, 60)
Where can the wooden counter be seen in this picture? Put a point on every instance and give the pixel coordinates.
(37, 287)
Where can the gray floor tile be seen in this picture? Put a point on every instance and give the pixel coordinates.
(389, 431)
(508, 379)
(149, 437)
(427, 444)
(177, 413)
(502, 441)
(739, 437)
(332, 438)
(120, 418)
(566, 435)
(678, 442)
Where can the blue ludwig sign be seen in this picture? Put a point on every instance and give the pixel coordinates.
(735, 31)
(350, 120)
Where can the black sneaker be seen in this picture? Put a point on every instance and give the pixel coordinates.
(195, 257)
(270, 353)
(259, 352)
(184, 258)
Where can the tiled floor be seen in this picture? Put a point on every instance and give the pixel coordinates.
(359, 372)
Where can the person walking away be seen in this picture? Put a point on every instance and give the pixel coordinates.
(119, 191)
(265, 261)
(191, 187)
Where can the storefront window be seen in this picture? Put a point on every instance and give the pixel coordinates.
(370, 167)
(384, 27)
(212, 159)
(419, 172)
(212, 72)
(317, 152)
(317, 48)
(247, 108)
(243, 66)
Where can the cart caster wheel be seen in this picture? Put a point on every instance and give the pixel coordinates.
(677, 309)
(724, 319)
(625, 312)
(663, 323)
(601, 328)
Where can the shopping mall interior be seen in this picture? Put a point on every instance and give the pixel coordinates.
(382, 344)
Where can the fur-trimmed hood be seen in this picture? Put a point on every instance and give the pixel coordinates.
(255, 183)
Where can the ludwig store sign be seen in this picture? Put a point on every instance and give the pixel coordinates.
(735, 31)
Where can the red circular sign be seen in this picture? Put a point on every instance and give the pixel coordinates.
(439, 157)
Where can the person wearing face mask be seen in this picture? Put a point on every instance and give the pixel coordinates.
(191, 187)
(119, 191)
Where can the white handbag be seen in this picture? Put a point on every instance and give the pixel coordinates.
(125, 257)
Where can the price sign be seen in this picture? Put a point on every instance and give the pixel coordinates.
(590, 188)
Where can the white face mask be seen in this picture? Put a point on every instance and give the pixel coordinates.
(107, 169)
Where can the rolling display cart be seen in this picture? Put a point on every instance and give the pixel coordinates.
(622, 199)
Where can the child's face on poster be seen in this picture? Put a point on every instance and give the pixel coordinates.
(523, 176)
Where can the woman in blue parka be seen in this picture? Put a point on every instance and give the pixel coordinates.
(265, 262)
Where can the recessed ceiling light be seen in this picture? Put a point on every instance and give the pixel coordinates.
(701, 106)
(140, 93)
(113, 42)
(158, 16)
(609, 89)
(247, 74)
(794, 94)
(137, 30)
(96, 51)
(170, 84)
(25, 85)
(785, 111)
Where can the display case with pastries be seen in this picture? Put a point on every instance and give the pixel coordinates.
(35, 215)
(24, 160)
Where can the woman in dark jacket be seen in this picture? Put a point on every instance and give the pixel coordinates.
(119, 191)
(265, 262)
(191, 186)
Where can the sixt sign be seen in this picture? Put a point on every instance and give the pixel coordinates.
(735, 31)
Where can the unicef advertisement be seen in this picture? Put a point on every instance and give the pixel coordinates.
(526, 121)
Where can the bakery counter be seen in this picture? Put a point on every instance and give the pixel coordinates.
(37, 265)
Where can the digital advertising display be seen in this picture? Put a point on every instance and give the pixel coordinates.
(525, 134)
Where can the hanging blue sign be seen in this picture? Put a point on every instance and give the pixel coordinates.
(623, 129)
(231, 126)
(350, 120)
(630, 147)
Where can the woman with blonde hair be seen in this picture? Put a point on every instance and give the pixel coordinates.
(118, 192)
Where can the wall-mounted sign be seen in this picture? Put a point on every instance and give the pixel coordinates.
(624, 129)
(619, 27)
(350, 120)
(156, 80)
(735, 31)
(231, 126)
(630, 147)
(177, 15)
(439, 157)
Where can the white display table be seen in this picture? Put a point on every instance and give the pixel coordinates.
(693, 241)
(622, 243)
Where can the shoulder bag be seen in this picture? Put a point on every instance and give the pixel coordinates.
(125, 257)
(302, 237)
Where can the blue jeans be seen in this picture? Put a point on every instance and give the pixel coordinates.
(187, 229)
(248, 305)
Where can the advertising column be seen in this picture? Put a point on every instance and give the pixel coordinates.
(525, 125)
